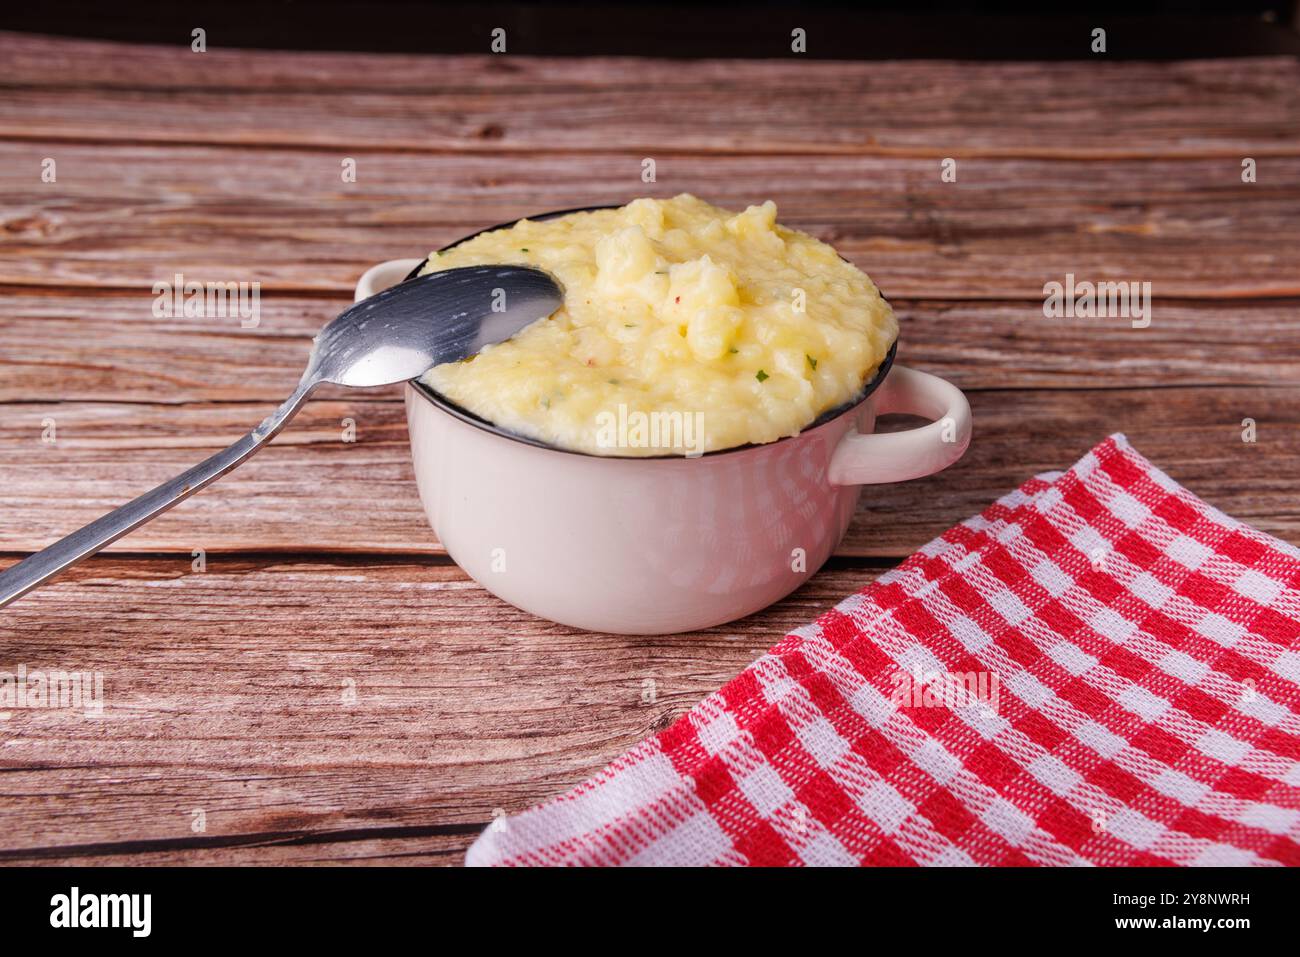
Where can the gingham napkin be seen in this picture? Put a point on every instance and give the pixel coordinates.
(1099, 669)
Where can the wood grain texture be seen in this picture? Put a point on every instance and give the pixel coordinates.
(463, 705)
(531, 104)
(46, 62)
(225, 689)
(414, 846)
(128, 216)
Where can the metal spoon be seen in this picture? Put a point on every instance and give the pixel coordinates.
(393, 336)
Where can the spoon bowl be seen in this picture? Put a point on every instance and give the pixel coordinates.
(390, 336)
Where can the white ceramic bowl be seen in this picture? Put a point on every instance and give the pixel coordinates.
(653, 546)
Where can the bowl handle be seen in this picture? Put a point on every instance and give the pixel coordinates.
(897, 456)
(384, 276)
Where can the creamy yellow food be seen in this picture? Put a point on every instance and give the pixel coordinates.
(685, 328)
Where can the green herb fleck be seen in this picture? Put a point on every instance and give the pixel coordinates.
(761, 375)
(629, 325)
(812, 362)
(733, 350)
(524, 250)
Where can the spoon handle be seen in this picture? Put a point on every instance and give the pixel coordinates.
(36, 569)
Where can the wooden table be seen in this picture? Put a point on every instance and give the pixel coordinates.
(330, 687)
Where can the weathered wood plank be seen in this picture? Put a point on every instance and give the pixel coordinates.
(105, 454)
(34, 60)
(109, 347)
(130, 216)
(528, 104)
(312, 491)
(461, 706)
(351, 849)
(695, 120)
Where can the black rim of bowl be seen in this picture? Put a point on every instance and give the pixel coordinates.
(479, 422)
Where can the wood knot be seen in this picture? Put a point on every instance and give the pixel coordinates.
(29, 224)
(663, 721)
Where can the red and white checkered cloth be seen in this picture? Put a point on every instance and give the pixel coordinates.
(1146, 651)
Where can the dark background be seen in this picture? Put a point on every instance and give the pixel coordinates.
(836, 30)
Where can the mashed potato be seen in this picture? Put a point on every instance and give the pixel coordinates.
(686, 328)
